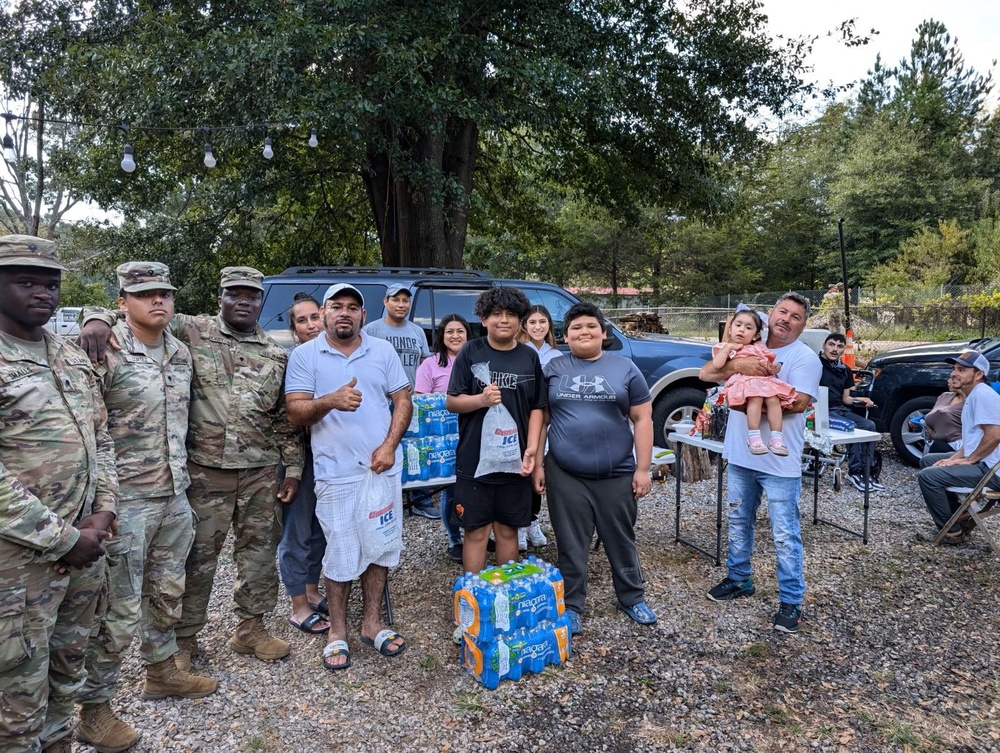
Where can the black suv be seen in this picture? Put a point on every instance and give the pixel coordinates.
(908, 380)
(669, 364)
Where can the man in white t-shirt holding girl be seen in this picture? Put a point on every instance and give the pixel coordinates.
(780, 477)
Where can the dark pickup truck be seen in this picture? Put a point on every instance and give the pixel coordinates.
(908, 380)
(669, 364)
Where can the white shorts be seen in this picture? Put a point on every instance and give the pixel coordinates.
(335, 510)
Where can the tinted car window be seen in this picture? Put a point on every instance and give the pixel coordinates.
(430, 306)
(274, 313)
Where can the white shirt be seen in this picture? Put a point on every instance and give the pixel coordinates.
(981, 408)
(343, 441)
(800, 367)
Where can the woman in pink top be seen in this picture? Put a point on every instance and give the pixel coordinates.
(432, 376)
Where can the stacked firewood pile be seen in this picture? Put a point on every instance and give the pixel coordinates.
(644, 321)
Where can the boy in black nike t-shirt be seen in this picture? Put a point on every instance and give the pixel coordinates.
(500, 502)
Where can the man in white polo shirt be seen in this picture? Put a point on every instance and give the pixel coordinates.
(980, 448)
(341, 385)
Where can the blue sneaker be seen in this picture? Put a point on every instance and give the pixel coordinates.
(786, 619)
(575, 622)
(640, 612)
(429, 511)
(730, 589)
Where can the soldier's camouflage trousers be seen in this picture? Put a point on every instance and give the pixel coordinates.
(244, 500)
(145, 584)
(45, 620)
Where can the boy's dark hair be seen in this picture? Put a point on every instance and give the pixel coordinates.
(502, 299)
(439, 347)
(300, 297)
(583, 308)
(835, 336)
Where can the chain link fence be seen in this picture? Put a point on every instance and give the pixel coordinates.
(880, 318)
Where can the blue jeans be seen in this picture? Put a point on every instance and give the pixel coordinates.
(453, 530)
(745, 489)
(302, 545)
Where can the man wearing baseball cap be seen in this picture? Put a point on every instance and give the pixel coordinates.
(147, 390)
(237, 433)
(980, 448)
(57, 503)
(340, 384)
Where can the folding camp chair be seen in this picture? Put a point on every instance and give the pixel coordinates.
(980, 503)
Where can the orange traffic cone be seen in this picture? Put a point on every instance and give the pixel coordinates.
(848, 357)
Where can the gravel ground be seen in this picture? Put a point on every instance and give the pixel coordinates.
(898, 652)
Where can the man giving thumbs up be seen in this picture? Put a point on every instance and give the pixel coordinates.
(341, 385)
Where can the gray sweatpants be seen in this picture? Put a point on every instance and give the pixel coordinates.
(578, 505)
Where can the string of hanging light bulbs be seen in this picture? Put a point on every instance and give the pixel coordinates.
(128, 163)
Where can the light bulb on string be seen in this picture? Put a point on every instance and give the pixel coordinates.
(128, 164)
(313, 141)
(209, 157)
(268, 151)
(9, 155)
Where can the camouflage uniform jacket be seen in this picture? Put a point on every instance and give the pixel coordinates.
(57, 460)
(238, 415)
(147, 406)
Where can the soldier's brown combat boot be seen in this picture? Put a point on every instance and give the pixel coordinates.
(251, 637)
(187, 649)
(163, 679)
(101, 728)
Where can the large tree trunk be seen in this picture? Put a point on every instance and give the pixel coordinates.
(424, 224)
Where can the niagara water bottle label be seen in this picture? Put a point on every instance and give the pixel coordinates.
(413, 460)
(501, 611)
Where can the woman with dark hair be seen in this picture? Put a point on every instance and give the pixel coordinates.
(302, 545)
(943, 423)
(538, 331)
(432, 376)
(433, 373)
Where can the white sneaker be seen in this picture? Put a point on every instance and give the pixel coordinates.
(535, 535)
(522, 539)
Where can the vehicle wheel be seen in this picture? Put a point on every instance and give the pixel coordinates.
(673, 407)
(909, 443)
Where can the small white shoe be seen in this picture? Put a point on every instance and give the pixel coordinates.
(522, 539)
(535, 535)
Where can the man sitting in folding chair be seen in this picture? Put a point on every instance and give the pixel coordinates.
(979, 452)
(839, 379)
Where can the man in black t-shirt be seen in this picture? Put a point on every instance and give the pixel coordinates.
(500, 502)
(840, 381)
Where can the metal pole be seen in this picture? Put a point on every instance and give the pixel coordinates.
(843, 275)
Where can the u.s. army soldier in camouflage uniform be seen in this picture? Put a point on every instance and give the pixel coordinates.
(238, 432)
(58, 490)
(147, 390)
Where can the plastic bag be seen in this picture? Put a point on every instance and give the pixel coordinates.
(499, 447)
(379, 518)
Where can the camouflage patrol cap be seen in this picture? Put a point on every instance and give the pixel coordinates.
(242, 277)
(136, 276)
(28, 251)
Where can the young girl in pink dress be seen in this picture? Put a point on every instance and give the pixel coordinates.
(743, 341)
